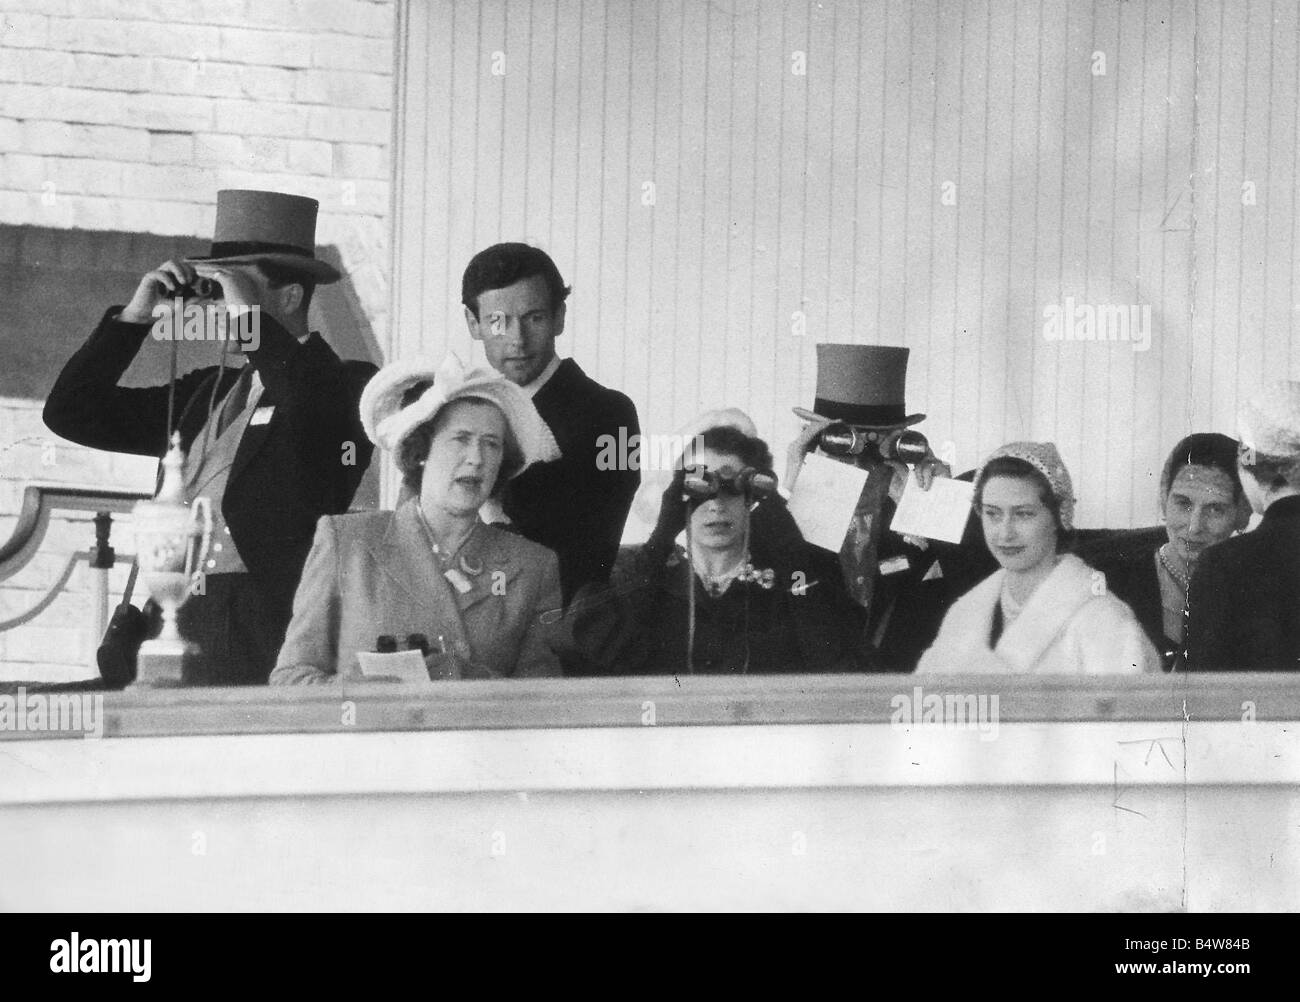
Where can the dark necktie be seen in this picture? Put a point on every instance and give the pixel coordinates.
(859, 554)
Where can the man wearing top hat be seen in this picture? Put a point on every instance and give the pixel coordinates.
(904, 584)
(273, 438)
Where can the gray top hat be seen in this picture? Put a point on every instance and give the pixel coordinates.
(257, 226)
(861, 384)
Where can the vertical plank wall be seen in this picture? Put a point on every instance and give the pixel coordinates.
(940, 173)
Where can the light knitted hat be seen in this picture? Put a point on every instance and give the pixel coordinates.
(388, 423)
(1044, 458)
(1270, 421)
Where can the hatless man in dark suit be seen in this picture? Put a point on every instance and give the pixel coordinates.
(1244, 600)
(275, 443)
(514, 302)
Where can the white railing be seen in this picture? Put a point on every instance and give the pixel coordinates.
(40, 501)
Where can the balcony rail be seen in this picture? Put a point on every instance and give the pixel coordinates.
(40, 502)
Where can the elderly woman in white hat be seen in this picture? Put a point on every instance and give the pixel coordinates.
(1044, 611)
(1244, 599)
(431, 575)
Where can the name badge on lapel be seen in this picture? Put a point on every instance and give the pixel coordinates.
(894, 565)
(458, 580)
(262, 415)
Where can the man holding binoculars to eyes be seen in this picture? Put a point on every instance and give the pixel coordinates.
(275, 443)
(859, 418)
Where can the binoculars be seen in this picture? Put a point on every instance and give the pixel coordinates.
(701, 483)
(900, 444)
(386, 643)
(201, 288)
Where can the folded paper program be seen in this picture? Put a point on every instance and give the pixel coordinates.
(407, 667)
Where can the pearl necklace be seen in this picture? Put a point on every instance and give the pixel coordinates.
(744, 572)
(716, 584)
(1180, 577)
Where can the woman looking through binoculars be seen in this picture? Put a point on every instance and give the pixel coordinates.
(737, 598)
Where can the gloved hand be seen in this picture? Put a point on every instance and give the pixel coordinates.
(774, 533)
(803, 443)
(672, 513)
(925, 473)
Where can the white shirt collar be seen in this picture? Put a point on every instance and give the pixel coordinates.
(532, 388)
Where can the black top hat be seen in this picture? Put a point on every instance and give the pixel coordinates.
(257, 226)
(861, 384)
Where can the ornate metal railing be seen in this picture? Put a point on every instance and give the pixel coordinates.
(40, 501)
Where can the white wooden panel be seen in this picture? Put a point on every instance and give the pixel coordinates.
(781, 195)
(1175, 233)
(774, 373)
(1278, 203)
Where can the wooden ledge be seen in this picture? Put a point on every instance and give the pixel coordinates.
(690, 701)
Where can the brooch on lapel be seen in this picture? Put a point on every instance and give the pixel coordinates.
(745, 573)
(460, 576)
(765, 578)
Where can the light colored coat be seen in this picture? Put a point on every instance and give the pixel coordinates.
(372, 573)
(1071, 624)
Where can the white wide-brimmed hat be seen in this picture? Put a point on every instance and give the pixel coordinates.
(388, 423)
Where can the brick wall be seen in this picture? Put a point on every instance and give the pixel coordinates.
(128, 115)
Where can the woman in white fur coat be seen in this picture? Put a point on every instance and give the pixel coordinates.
(1044, 612)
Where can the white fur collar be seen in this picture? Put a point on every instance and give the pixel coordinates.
(1070, 586)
